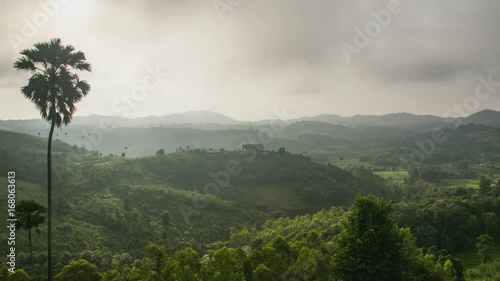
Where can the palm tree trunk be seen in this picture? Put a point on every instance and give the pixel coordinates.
(31, 251)
(49, 202)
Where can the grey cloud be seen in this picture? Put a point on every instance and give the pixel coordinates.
(280, 47)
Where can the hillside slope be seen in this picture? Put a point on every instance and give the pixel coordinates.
(181, 199)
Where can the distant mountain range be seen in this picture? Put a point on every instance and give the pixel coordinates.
(389, 120)
(212, 120)
(193, 117)
(332, 134)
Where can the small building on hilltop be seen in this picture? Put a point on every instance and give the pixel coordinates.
(254, 148)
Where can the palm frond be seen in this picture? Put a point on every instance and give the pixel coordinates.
(32, 54)
(83, 86)
(24, 63)
(84, 66)
(55, 42)
(75, 57)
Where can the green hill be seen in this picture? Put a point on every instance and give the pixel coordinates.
(184, 199)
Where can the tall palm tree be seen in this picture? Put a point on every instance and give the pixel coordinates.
(30, 215)
(54, 89)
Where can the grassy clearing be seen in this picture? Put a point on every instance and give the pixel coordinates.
(273, 197)
(477, 271)
(484, 272)
(470, 258)
(469, 183)
(397, 176)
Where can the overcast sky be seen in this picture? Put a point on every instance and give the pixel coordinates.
(248, 58)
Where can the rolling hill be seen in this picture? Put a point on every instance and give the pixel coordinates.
(485, 117)
(178, 200)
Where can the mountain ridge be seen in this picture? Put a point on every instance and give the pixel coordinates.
(191, 112)
(485, 117)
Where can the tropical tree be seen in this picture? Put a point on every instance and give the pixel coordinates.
(484, 244)
(223, 265)
(187, 264)
(30, 215)
(4, 273)
(369, 247)
(484, 185)
(263, 273)
(79, 270)
(54, 88)
(157, 255)
(18, 275)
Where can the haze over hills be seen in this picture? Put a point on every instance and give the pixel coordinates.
(203, 117)
(389, 120)
(322, 137)
(193, 117)
(205, 129)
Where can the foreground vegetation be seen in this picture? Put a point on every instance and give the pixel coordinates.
(363, 243)
(108, 210)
